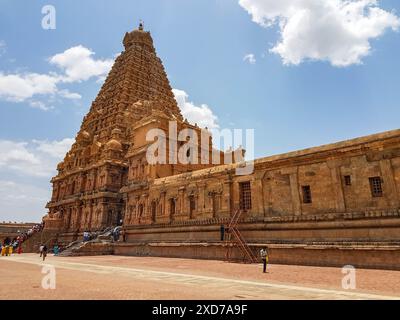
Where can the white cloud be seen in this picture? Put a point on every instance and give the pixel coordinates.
(40, 105)
(202, 115)
(19, 87)
(69, 95)
(56, 149)
(25, 171)
(34, 158)
(79, 65)
(338, 31)
(22, 202)
(250, 58)
(16, 156)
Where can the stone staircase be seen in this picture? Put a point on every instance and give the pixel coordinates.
(32, 244)
(102, 244)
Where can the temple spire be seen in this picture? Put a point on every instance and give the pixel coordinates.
(141, 25)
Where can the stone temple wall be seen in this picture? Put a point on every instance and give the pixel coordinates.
(13, 229)
(338, 178)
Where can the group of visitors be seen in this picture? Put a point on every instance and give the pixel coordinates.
(44, 250)
(87, 236)
(8, 246)
(115, 234)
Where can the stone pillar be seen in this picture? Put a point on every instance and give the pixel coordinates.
(257, 193)
(235, 196)
(389, 183)
(337, 185)
(180, 201)
(202, 198)
(164, 203)
(267, 190)
(294, 189)
(80, 216)
(90, 215)
(226, 198)
(128, 213)
(147, 207)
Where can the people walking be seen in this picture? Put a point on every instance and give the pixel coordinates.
(41, 250)
(44, 252)
(56, 249)
(115, 234)
(264, 258)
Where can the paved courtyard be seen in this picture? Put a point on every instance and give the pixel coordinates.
(117, 277)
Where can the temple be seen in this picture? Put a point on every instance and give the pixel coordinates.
(330, 205)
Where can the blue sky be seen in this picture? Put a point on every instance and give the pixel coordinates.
(202, 43)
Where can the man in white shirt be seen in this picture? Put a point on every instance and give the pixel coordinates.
(264, 258)
(41, 249)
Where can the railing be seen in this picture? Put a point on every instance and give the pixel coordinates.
(238, 240)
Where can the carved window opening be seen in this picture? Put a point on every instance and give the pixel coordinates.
(172, 206)
(192, 205)
(306, 190)
(376, 187)
(347, 180)
(215, 204)
(153, 211)
(245, 195)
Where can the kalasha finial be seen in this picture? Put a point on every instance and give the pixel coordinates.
(141, 25)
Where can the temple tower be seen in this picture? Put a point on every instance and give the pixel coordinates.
(86, 189)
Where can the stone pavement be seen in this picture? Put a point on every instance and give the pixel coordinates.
(116, 277)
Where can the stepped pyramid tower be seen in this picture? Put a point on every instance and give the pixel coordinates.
(110, 147)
